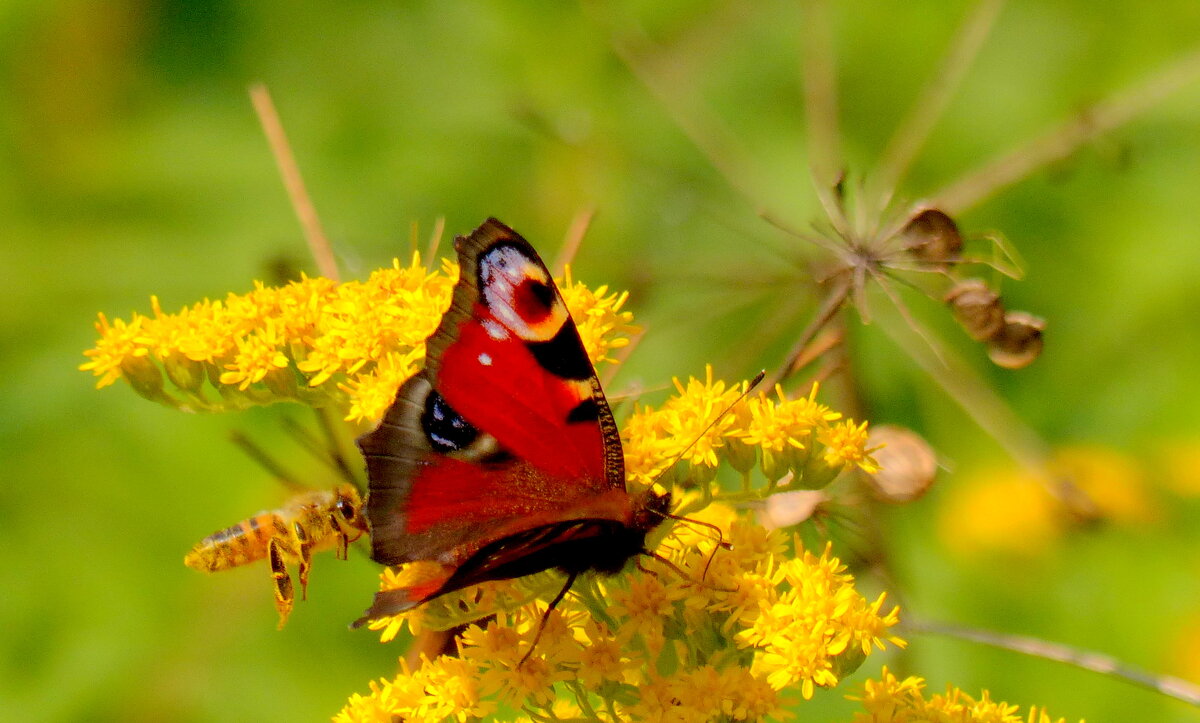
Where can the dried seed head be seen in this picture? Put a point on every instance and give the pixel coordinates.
(785, 509)
(932, 236)
(1019, 342)
(977, 308)
(907, 464)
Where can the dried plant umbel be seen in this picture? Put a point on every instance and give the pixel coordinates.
(869, 233)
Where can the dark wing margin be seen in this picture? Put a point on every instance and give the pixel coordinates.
(567, 343)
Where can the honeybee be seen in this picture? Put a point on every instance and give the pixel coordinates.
(310, 521)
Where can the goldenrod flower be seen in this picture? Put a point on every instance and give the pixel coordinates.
(733, 635)
(692, 423)
(348, 346)
(845, 445)
(602, 325)
(729, 638)
(697, 426)
(891, 700)
(704, 632)
(446, 689)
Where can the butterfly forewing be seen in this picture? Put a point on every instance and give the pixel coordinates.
(506, 430)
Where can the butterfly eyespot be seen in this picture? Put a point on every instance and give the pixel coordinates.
(445, 429)
(533, 300)
(503, 263)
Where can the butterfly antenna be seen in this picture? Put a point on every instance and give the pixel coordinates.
(679, 571)
(749, 388)
(546, 615)
(687, 520)
(721, 543)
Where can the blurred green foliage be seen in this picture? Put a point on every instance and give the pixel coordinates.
(131, 164)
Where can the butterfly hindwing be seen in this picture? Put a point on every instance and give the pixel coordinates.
(506, 430)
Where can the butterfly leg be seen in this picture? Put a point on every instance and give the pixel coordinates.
(643, 568)
(282, 581)
(546, 615)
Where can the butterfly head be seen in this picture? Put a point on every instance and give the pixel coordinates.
(650, 508)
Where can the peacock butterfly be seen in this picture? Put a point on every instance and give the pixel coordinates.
(501, 458)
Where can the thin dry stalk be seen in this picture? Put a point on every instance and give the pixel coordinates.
(580, 224)
(1085, 659)
(306, 212)
(673, 85)
(912, 134)
(1066, 138)
(821, 110)
(835, 301)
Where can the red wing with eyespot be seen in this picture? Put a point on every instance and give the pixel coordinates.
(504, 432)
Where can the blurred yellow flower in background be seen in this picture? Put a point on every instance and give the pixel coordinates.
(1114, 481)
(1184, 655)
(1178, 467)
(1008, 511)
(1000, 511)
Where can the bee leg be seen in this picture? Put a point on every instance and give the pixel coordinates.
(343, 543)
(284, 594)
(305, 566)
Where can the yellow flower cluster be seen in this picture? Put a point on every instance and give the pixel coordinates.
(781, 435)
(890, 700)
(718, 634)
(314, 341)
(700, 631)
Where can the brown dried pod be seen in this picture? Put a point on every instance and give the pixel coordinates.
(784, 509)
(907, 464)
(932, 236)
(977, 308)
(1019, 343)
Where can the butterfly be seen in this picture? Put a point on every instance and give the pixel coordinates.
(501, 458)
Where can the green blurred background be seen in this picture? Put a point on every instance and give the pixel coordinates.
(131, 164)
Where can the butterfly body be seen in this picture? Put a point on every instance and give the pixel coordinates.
(501, 458)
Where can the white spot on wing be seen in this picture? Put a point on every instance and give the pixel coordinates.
(485, 359)
(495, 330)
